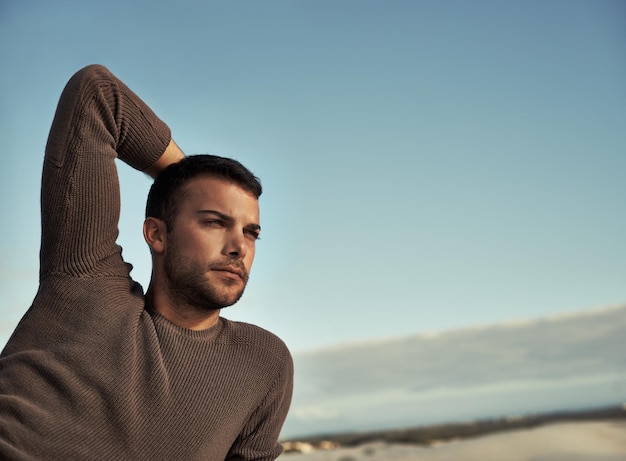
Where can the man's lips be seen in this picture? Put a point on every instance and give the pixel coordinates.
(232, 270)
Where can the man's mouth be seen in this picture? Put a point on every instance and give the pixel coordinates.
(233, 271)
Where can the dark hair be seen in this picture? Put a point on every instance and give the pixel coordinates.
(168, 188)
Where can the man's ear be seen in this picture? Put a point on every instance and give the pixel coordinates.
(155, 234)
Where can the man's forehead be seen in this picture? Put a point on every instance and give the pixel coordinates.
(223, 195)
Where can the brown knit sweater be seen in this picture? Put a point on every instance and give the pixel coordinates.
(91, 372)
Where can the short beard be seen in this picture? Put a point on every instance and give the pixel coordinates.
(187, 284)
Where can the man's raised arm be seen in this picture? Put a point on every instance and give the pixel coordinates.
(98, 119)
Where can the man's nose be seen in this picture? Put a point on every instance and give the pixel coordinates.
(235, 245)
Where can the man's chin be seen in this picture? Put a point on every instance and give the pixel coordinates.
(228, 299)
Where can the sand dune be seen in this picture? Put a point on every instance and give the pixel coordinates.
(576, 441)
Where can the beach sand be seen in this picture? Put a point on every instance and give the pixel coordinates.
(575, 441)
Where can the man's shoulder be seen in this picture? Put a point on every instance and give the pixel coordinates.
(255, 337)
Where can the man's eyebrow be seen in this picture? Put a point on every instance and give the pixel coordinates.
(225, 217)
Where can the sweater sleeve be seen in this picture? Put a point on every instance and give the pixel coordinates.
(98, 119)
(258, 441)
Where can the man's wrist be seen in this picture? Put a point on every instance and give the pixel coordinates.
(172, 154)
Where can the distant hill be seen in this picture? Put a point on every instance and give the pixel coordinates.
(565, 362)
(436, 434)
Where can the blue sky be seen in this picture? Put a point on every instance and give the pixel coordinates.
(427, 165)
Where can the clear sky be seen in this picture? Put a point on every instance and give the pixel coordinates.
(427, 165)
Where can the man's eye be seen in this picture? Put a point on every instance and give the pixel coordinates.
(213, 223)
(253, 234)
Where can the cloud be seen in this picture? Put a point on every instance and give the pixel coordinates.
(315, 413)
(546, 348)
(538, 361)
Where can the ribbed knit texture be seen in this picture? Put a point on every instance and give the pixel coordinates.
(91, 373)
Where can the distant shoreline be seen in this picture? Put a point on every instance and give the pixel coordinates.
(441, 433)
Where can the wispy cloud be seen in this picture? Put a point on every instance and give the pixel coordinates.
(525, 360)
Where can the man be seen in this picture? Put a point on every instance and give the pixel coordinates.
(95, 369)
